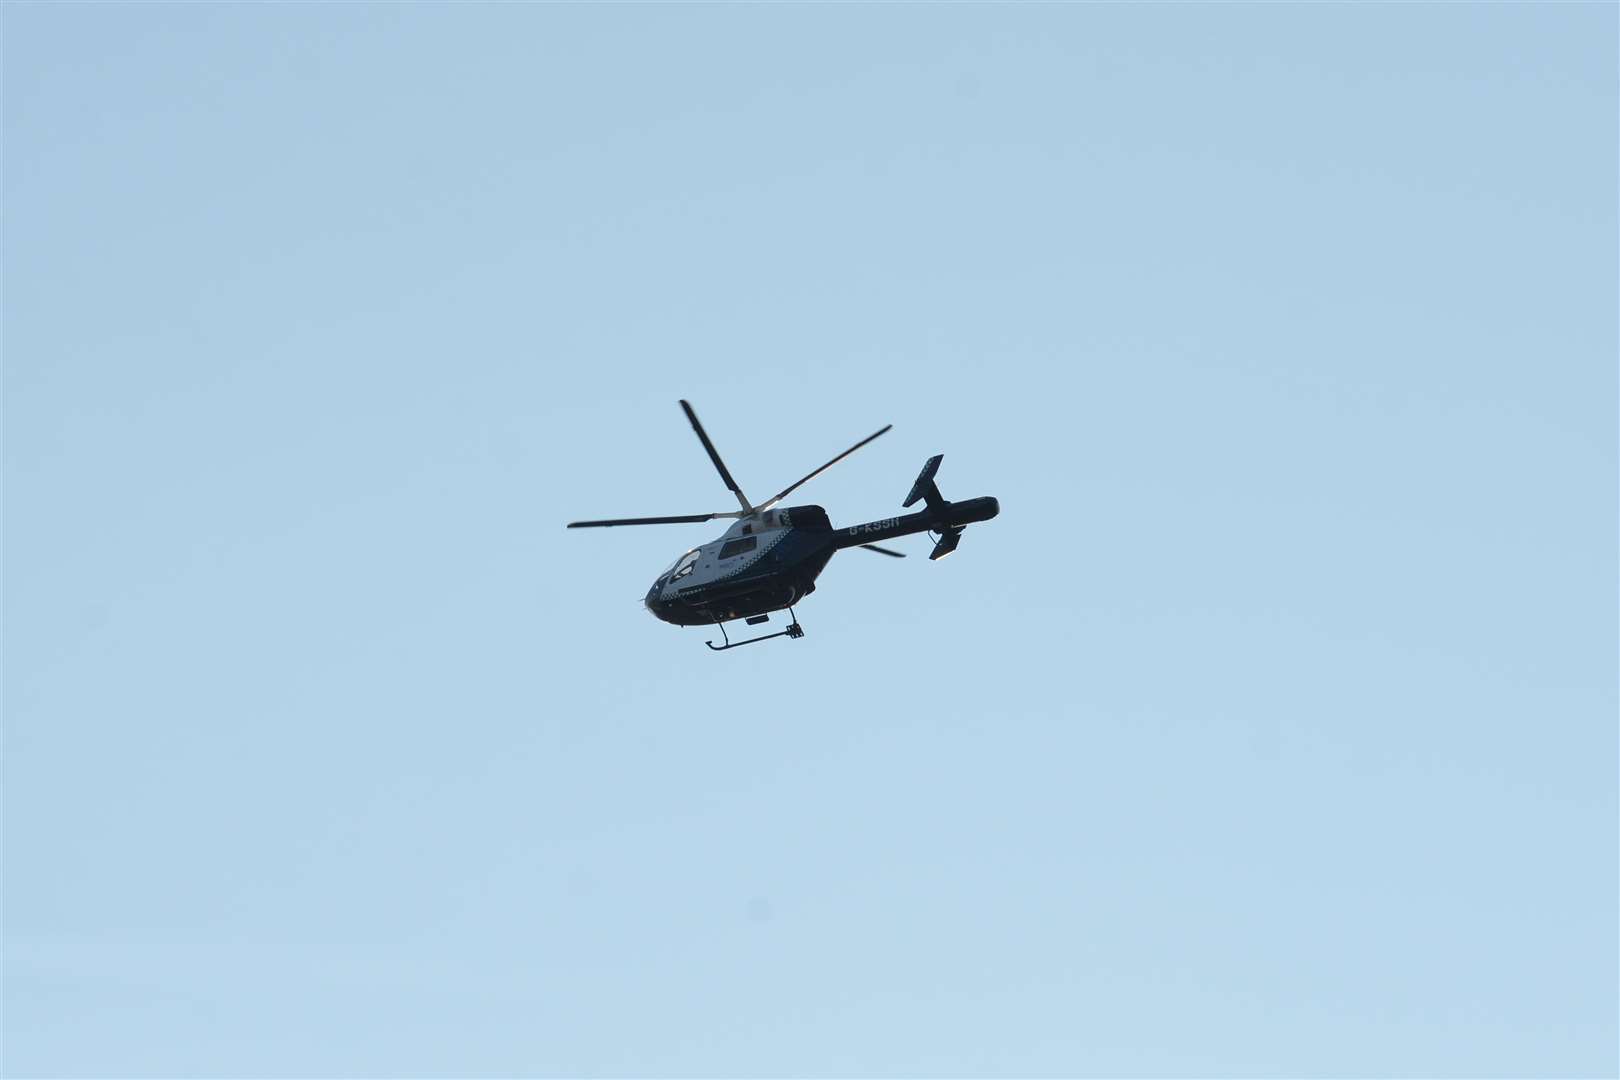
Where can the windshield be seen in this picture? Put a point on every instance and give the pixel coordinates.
(682, 566)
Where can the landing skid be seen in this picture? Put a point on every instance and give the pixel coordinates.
(794, 630)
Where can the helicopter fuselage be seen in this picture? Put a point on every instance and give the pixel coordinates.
(763, 563)
(769, 561)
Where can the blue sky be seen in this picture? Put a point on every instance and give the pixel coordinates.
(1270, 730)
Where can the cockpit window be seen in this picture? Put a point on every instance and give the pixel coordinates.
(683, 565)
(737, 547)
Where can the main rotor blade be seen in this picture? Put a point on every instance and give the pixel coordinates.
(779, 496)
(884, 551)
(650, 521)
(714, 456)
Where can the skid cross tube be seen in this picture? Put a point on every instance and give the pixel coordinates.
(794, 630)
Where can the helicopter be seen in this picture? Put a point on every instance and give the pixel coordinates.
(769, 558)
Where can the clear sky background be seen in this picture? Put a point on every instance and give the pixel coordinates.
(1271, 729)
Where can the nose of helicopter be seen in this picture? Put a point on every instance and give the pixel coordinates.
(654, 603)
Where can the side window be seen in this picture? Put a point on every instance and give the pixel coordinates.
(737, 547)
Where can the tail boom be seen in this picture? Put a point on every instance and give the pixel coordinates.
(946, 516)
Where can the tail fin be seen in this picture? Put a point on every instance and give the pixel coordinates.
(941, 516)
(925, 488)
(949, 537)
(953, 517)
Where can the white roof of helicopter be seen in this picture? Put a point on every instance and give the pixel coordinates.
(712, 562)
